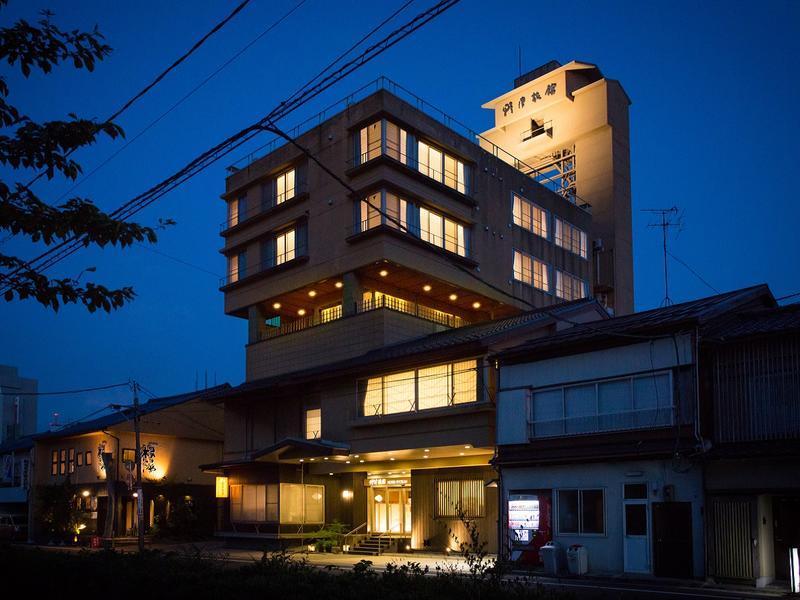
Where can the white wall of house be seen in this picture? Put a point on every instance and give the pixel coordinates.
(606, 553)
(516, 380)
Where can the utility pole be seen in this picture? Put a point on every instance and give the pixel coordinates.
(139, 492)
(665, 224)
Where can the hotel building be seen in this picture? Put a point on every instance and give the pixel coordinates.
(373, 299)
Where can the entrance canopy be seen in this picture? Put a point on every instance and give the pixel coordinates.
(287, 450)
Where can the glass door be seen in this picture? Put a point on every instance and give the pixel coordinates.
(391, 510)
(636, 528)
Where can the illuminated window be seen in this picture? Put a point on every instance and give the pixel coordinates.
(71, 462)
(62, 463)
(382, 137)
(284, 186)
(237, 210)
(302, 504)
(249, 502)
(313, 424)
(569, 287)
(441, 231)
(285, 247)
(54, 462)
(529, 216)
(531, 271)
(383, 208)
(88, 460)
(455, 498)
(237, 267)
(442, 167)
(581, 512)
(570, 237)
(438, 386)
(79, 459)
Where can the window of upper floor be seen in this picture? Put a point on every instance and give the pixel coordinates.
(529, 216)
(385, 138)
(275, 191)
(570, 287)
(279, 248)
(414, 390)
(571, 238)
(237, 266)
(531, 271)
(313, 424)
(423, 222)
(632, 402)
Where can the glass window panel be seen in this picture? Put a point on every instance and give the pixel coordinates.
(399, 392)
(568, 511)
(592, 511)
(580, 409)
(635, 491)
(373, 397)
(434, 389)
(450, 235)
(313, 423)
(465, 382)
(371, 141)
(635, 519)
(314, 504)
(291, 503)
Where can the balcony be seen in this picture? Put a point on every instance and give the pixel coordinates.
(281, 261)
(311, 342)
(451, 244)
(643, 418)
(391, 303)
(264, 209)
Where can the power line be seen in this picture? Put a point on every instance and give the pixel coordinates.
(191, 92)
(788, 296)
(695, 273)
(161, 75)
(177, 260)
(68, 247)
(63, 392)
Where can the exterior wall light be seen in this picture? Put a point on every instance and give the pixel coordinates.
(85, 493)
(426, 287)
(277, 306)
(339, 285)
(301, 312)
(347, 494)
(312, 293)
(453, 297)
(222, 487)
(383, 273)
(476, 305)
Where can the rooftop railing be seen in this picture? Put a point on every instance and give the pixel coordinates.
(383, 83)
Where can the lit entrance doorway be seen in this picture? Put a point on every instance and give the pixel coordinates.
(390, 510)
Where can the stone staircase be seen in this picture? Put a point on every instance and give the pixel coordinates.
(374, 545)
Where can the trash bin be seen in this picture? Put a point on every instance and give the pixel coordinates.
(551, 554)
(577, 560)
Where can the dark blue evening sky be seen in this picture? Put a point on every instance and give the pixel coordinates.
(714, 131)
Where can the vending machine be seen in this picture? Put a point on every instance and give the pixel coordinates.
(529, 524)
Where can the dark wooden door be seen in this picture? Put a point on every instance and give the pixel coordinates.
(786, 518)
(672, 539)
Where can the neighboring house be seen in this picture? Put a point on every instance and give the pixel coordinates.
(391, 444)
(18, 405)
(177, 433)
(18, 411)
(752, 475)
(371, 306)
(606, 439)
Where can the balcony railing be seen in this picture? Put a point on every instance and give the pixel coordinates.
(443, 241)
(641, 418)
(262, 207)
(388, 302)
(250, 270)
(553, 183)
(533, 132)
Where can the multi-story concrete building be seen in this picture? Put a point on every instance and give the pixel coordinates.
(415, 227)
(18, 404)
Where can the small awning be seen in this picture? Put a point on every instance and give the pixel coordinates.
(288, 449)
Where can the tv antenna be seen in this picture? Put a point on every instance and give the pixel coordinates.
(669, 219)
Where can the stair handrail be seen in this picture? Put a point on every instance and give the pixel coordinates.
(380, 543)
(352, 533)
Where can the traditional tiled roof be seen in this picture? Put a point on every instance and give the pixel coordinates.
(625, 329)
(120, 416)
(751, 323)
